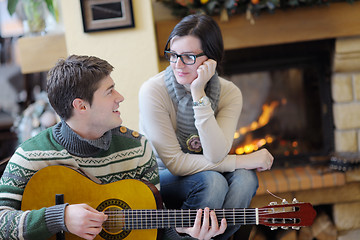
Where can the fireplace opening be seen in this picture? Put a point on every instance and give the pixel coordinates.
(287, 105)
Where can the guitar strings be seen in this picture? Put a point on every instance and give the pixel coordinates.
(192, 211)
(140, 219)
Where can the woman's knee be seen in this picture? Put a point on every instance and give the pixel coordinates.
(213, 182)
(209, 190)
(242, 188)
(244, 179)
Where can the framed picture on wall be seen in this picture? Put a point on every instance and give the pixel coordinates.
(99, 15)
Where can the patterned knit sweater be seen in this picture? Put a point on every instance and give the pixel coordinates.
(119, 154)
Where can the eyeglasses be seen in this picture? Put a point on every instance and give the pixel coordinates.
(187, 59)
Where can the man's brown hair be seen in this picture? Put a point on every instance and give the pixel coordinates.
(75, 77)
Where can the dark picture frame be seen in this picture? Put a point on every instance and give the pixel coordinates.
(100, 15)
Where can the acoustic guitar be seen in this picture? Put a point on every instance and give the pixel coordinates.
(134, 207)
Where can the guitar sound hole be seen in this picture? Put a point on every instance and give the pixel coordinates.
(113, 227)
(115, 222)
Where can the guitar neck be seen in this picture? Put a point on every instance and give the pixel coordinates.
(154, 219)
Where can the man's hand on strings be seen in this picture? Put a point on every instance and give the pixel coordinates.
(84, 221)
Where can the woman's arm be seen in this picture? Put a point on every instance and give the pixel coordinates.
(217, 133)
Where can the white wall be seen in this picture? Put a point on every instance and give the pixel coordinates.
(132, 51)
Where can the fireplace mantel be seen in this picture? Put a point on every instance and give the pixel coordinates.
(284, 26)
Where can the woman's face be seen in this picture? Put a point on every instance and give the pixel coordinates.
(186, 74)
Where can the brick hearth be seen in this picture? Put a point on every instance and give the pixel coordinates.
(278, 181)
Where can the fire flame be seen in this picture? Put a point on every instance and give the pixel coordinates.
(254, 144)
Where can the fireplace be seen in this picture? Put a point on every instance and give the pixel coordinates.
(287, 104)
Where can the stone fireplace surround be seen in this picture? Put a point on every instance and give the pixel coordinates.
(340, 21)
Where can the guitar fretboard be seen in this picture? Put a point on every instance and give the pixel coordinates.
(155, 219)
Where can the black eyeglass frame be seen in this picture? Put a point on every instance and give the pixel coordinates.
(181, 55)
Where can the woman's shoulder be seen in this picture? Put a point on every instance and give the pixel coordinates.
(155, 83)
(157, 79)
(229, 87)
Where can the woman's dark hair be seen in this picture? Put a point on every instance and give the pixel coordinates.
(204, 28)
(75, 77)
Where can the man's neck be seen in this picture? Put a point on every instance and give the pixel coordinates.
(76, 144)
(84, 130)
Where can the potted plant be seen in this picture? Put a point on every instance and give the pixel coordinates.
(34, 12)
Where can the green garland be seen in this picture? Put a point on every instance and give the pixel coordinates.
(225, 8)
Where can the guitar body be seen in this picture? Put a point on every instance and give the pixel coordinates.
(125, 194)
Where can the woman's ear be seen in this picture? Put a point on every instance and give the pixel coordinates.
(79, 104)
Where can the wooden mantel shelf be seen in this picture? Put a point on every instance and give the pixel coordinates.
(284, 26)
(40, 53)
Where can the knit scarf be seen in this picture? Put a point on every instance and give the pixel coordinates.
(77, 145)
(186, 131)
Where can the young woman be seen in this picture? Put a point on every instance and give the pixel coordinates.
(190, 114)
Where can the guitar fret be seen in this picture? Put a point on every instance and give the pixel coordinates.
(244, 217)
(189, 217)
(182, 218)
(139, 220)
(168, 212)
(157, 220)
(150, 219)
(174, 213)
(257, 216)
(233, 216)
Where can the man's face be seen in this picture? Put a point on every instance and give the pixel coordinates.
(104, 114)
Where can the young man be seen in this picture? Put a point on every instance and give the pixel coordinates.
(89, 138)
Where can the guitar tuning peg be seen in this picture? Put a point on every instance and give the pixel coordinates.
(284, 201)
(285, 228)
(273, 228)
(295, 200)
(295, 228)
(272, 203)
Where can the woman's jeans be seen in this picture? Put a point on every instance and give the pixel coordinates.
(209, 189)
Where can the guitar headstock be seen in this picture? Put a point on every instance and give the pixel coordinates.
(285, 215)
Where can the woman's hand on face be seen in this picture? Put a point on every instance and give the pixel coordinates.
(260, 160)
(205, 71)
(205, 230)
